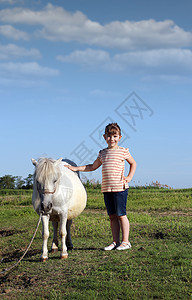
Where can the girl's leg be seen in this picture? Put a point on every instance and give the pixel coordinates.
(115, 228)
(124, 223)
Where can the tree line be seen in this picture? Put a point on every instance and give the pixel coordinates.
(16, 182)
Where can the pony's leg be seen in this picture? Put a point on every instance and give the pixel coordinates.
(63, 234)
(54, 247)
(68, 240)
(45, 236)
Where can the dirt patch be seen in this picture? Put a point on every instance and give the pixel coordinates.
(188, 212)
(24, 280)
(21, 281)
(95, 211)
(4, 233)
(15, 255)
(159, 235)
(176, 213)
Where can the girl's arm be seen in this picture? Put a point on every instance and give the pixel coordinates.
(87, 168)
(132, 169)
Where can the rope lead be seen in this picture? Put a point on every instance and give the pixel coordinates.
(16, 264)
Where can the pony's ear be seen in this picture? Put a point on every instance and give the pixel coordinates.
(34, 162)
(58, 161)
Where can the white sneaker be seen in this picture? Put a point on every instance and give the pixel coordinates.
(124, 246)
(110, 247)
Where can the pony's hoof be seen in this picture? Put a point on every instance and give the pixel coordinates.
(64, 256)
(69, 248)
(54, 250)
(43, 259)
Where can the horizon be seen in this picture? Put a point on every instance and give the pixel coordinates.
(68, 68)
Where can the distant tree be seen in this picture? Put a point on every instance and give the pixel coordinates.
(29, 182)
(7, 182)
(19, 182)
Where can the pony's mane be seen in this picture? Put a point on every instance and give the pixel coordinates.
(45, 168)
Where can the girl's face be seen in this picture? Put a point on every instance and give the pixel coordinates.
(112, 140)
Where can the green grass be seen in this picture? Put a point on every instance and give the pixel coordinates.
(158, 266)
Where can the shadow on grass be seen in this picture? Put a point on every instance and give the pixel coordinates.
(37, 259)
(88, 249)
(16, 255)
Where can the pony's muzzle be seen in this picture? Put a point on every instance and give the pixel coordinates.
(46, 208)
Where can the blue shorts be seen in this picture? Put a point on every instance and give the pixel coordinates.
(116, 202)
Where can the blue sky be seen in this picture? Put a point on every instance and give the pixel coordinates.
(68, 68)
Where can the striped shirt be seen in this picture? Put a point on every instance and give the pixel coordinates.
(113, 165)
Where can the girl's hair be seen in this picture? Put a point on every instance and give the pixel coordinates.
(112, 128)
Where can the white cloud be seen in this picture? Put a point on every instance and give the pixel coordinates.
(10, 32)
(158, 61)
(25, 73)
(12, 51)
(56, 24)
(147, 47)
(88, 57)
(170, 61)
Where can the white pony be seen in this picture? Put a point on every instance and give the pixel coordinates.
(58, 195)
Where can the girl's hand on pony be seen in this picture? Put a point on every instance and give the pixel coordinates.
(72, 168)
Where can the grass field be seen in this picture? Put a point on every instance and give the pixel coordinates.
(158, 266)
